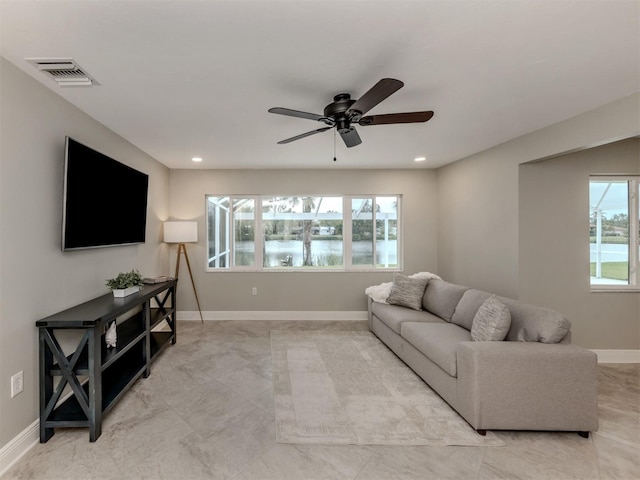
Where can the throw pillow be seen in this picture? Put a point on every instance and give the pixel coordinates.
(491, 322)
(407, 291)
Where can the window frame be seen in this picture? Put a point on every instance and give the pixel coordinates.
(633, 196)
(219, 255)
(348, 226)
(258, 266)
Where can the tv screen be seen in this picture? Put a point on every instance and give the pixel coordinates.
(105, 201)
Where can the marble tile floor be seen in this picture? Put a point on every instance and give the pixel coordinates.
(207, 412)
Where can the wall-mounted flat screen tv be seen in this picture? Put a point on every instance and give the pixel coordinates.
(105, 201)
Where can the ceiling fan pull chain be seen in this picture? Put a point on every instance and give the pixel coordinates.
(334, 146)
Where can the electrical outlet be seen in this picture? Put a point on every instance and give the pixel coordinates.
(254, 291)
(17, 383)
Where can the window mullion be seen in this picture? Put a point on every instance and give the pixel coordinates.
(227, 233)
(374, 222)
(346, 232)
(633, 232)
(217, 236)
(231, 233)
(258, 237)
(399, 236)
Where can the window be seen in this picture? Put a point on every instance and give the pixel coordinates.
(230, 228)
(374, 229)
(302, 232)
(614, 232)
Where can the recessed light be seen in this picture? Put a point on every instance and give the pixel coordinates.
(419, 159)
(196, 159)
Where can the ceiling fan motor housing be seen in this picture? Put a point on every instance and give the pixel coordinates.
(337, 111)
(340, 105)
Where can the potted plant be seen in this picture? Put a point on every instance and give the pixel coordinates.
(125, 283)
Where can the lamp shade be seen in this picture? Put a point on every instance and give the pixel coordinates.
(180, 232)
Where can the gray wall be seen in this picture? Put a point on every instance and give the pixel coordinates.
(478, 224)
(554, 246)
(479, 217)
(36, 277)
(300, 291)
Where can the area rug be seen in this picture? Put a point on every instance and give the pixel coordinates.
(349, 388)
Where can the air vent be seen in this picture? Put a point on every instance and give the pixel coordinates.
(65, 71)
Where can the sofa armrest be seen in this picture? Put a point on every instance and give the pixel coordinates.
(527, 386)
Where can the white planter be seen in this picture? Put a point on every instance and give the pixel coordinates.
(125, 291)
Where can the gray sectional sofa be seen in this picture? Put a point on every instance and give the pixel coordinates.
(533, 380)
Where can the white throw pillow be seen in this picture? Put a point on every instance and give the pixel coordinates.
(491, 322)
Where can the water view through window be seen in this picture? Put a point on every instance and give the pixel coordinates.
(303, 232)
(613, 231)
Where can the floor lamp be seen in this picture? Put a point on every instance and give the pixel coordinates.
(181, 233)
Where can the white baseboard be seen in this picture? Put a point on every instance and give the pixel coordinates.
(274, 315)
(618, 356)
(16, 448)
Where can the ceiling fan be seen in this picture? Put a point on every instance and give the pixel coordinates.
(344, 111)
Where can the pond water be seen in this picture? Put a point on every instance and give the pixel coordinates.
(325, 253)
(610, 252)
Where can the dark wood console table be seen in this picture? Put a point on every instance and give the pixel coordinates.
(146, 323)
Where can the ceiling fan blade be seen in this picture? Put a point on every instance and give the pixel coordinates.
(376, 94)
(409, 117)
(296, 113)
(302, 135)
(350, 136)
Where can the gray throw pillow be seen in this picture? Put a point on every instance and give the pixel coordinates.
(407, 291)
(491, 322)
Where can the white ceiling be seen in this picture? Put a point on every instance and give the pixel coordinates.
(190, 78)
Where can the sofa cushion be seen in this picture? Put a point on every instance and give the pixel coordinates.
(491, 322)
(441, 298)
(393, 316)
(437, 341)
(407, 291)
(531, 323)
(468, 307)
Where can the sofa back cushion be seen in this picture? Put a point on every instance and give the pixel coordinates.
(531, 323)
(441, 298)
(468, 306)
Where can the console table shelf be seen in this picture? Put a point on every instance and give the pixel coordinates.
(143, 332)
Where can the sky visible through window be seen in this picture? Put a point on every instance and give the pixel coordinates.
(616, 198)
